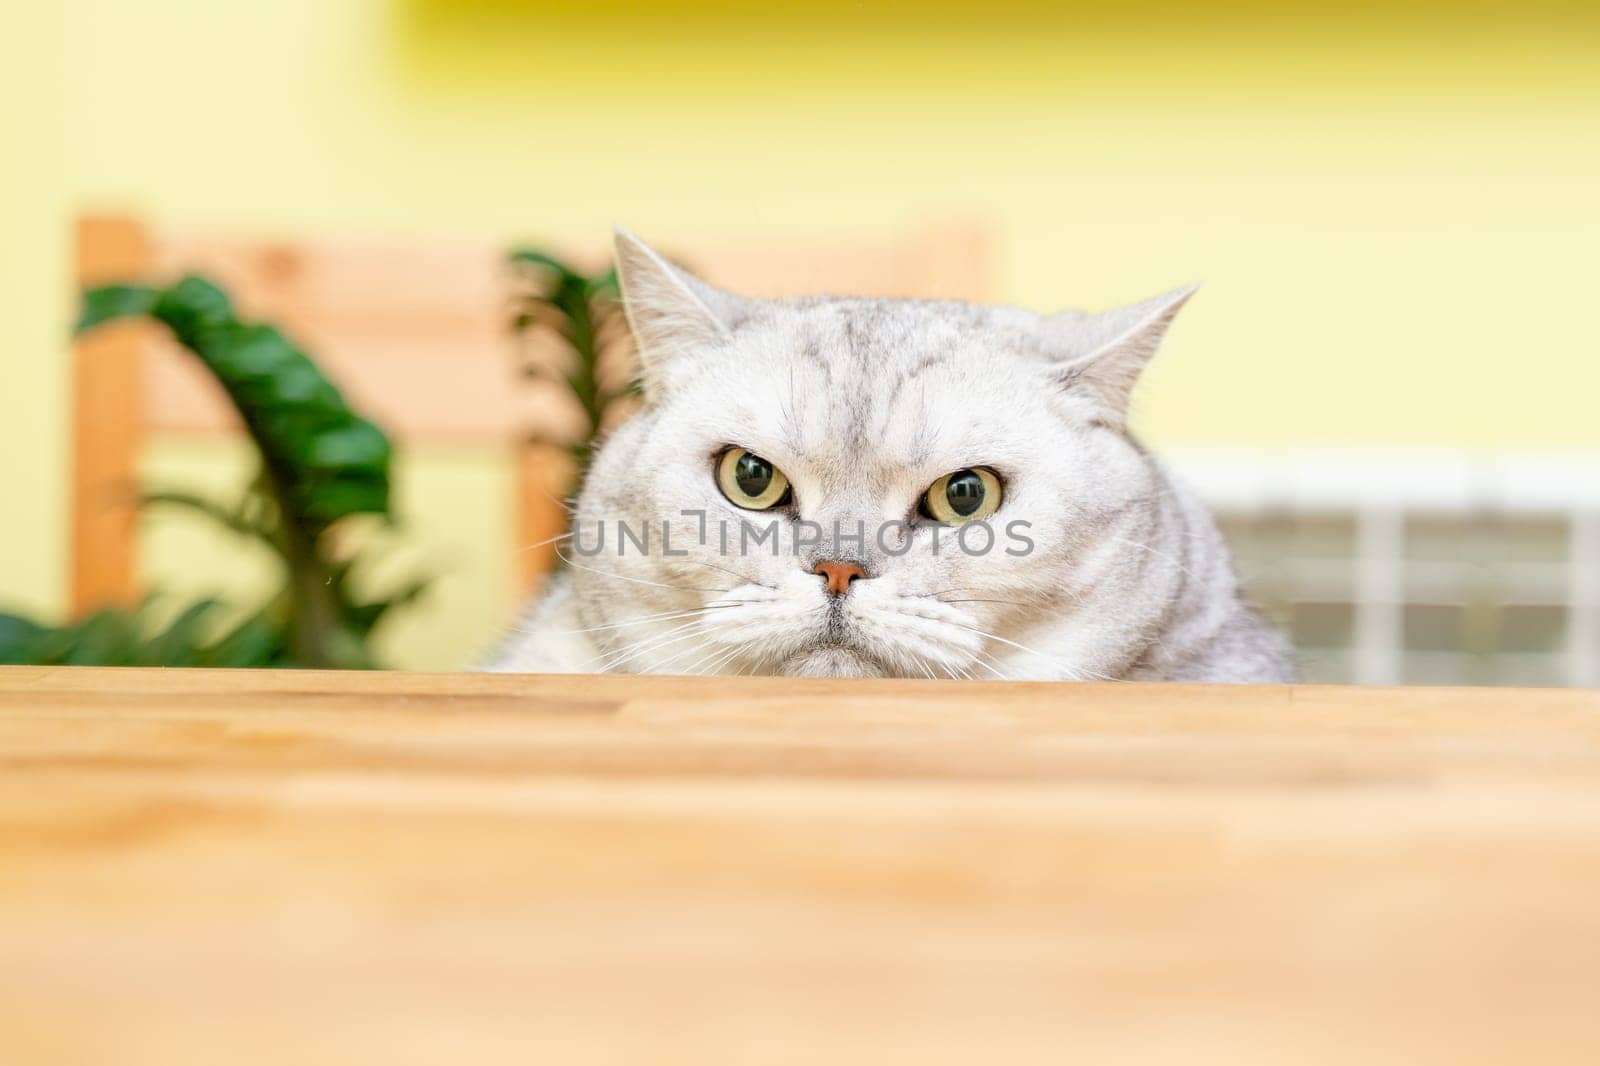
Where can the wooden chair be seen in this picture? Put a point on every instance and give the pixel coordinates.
(414, 332)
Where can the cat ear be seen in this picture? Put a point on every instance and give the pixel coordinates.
(1104, 354)
(672, 312)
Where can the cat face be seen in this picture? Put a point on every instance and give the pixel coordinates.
(845, 487)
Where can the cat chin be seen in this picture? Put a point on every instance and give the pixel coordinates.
(831, 661)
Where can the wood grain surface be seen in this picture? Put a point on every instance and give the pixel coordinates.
(210, 867)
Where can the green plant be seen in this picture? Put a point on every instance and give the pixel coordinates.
(133, 638)
(321, 465)
(595, 364)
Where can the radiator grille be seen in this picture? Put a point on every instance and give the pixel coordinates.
(1418, 569)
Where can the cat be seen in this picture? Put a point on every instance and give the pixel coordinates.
(810, 485)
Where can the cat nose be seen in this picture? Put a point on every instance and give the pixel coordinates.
(839, 575)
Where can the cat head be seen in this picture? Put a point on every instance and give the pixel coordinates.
(856, 487)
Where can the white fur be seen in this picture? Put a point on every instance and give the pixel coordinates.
(863, 404)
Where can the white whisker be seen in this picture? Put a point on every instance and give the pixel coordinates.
(664, 616)
(1079, 674)
(548, 540)
(629, 651)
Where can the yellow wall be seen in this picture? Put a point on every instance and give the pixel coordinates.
(1395, 220)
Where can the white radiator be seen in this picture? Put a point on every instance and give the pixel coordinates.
(1418, 567)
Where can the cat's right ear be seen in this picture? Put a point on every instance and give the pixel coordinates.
(672, 313)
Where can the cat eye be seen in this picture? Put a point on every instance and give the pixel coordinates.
(749, 481)
(964, 496)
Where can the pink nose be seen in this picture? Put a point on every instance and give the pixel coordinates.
(839, 575)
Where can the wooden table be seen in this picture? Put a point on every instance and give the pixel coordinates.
(292, 868)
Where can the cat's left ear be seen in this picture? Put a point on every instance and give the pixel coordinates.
(673, 314)
(1104, 354)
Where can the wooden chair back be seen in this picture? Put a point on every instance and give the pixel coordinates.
(415, 332)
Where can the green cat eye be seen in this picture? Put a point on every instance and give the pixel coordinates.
(750, 481)
(963, 496)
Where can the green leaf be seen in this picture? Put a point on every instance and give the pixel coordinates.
(534, 257)
(194, 305)
(366, 616)
(236, 520)
(324, 505)
(356, 445)
(108, 302)
(180, 643)
(105, 638)
(19, 637)
(584, 307)
(257, 641)
(120, 638)
(321, 464)
(324, 460)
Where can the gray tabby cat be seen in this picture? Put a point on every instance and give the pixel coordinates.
(811, 484)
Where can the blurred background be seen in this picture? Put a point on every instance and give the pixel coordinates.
(1386, 385)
